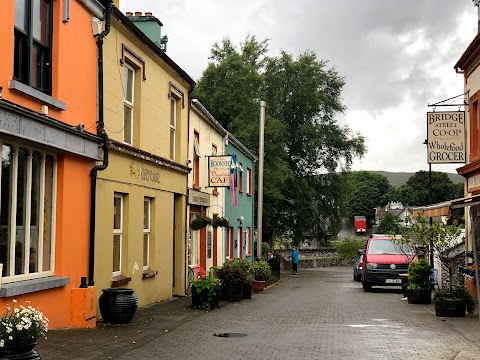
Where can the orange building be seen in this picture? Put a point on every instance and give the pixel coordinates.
(48, 116)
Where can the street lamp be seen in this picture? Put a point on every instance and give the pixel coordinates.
(430, 200)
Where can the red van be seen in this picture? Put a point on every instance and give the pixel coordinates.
(384, 261)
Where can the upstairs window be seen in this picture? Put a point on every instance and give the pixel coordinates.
(128, 81)
(33, 44)
(173, 125)
(249, 181)
(196, 160)
(240, 180)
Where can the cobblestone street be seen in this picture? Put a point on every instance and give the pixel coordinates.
(320, 314)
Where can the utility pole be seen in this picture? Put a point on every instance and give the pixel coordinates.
(260, 178)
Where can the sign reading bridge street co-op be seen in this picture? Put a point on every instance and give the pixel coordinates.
(219, 170)
(446, 137)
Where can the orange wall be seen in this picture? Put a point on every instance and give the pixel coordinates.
(74, 61)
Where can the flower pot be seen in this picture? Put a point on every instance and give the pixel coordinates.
(118, 306)
(199, 298)
(419, 296)
(232, 293)
(450, 307)
(247, 291)
(24, 352)
(258, 286)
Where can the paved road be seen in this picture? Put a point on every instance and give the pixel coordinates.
(321, 314)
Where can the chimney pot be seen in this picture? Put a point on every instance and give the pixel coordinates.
(148, 14)
(138, 13)
(129, 13)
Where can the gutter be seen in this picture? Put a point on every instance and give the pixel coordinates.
(95, 8)
(102, 133)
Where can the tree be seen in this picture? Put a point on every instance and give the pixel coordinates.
(367, 192)
(390, 224)
(304, 144)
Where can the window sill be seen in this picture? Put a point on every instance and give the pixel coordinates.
(29, 286)
(32, 92)
(196, 187)
(147, 274)
(120, 280)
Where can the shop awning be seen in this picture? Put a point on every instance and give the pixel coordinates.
(443, 208)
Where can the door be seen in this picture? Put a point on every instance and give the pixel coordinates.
(240, 241)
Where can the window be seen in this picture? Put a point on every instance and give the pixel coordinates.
(173, 125)
(249, 181)
(117, 233)
(33, 41)
(240, 243)
(128, 88)
(229, 244)
(474, 128)
(146, 233)
(196, 160)
(248, 244)
(214, 152)
(27, 212)
(240, 178)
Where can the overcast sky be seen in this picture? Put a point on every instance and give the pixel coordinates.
(396, 56)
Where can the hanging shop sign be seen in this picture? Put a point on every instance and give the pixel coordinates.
(196, 197)
(219, 170)
(446, 137)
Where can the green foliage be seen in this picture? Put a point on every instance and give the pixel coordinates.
(241, 264)
(220, 222)
(306, 150)
(458, 292)
(200, 222)
(390, 224)
(210, 287)
(419, 274)
(367, 192)
(348, 248)
(262, 270)
(232, 276)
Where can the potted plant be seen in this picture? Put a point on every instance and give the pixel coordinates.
(419, 289)
(453, 302)
(262, 272)
(206, 292)
(248, 269)
(20, 328)
(220, 222)
(200, 222)
(233, 280)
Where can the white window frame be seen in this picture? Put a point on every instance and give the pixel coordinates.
(239, 243)
(128, 103)
(173, 127)
(118, 232)
(249, 181)
(229, 243)
(147, 231)
(27, 212)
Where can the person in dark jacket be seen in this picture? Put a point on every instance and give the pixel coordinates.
(294, 260)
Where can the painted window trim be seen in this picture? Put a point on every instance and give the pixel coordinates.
(474, 110)
(240, 178)
(27, 218)
(36, 94)
(249, 182)
(248, 244)
(119, 231)
(134, 55)
(33, 285)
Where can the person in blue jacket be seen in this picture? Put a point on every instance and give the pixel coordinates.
(294, 260)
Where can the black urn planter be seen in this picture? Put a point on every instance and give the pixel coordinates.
(450, 307)
(118, 306)
(247, 291)
(232, 293)
(199, 298)
(24, 352)
(419, 296)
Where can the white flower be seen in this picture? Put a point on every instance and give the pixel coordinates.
(10, 337)
(20, 327)
(2, 343)
(14, 300)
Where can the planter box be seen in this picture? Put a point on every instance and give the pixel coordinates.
(450, 307)
(419, 297)
(198, 299)
(258, 285)
(247, 291)
(232, 293)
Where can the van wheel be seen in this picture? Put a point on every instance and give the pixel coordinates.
(367, 287)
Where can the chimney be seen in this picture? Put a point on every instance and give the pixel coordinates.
(477, 3)
(129, 13)
(151, 27)
(138, 13)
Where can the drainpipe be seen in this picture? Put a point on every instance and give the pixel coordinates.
(102, 133)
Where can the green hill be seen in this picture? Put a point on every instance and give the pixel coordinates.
(400, 178)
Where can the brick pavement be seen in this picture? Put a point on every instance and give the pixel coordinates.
(321, 314)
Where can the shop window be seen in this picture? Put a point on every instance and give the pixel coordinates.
(118, 201)
(27, 213)
(33, 39)
(146, 232)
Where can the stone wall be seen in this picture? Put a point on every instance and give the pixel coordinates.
(313, 258)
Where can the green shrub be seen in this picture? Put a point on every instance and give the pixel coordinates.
(348, 248)
(419, 274)
(262, 270)
(242, 264)
(458, 292)
(232, 276)
(210, 286)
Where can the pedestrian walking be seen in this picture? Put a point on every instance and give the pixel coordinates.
(294, 258)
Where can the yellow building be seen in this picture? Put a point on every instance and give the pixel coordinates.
(144, 187)
(205, 246)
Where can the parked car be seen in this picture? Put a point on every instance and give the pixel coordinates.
(385, 263)
(357, 269)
